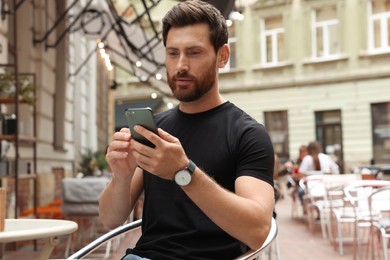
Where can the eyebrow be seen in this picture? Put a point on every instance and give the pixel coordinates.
(186, 48)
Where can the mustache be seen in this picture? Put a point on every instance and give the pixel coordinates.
(182, 74)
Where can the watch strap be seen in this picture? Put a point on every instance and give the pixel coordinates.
(191, 167)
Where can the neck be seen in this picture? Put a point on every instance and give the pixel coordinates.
(206, 102)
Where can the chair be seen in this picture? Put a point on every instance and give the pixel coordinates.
(357, 211)
(80, 203)
(88, 249)
(314, 191)
(379, 201)
(292, 191)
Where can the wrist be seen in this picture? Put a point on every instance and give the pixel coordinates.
(183, 177)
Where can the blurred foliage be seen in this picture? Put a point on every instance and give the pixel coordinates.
(92, 161)
(8, 89)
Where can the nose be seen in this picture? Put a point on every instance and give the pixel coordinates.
(182, 64)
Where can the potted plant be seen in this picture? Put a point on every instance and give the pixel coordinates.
(7, 85)
(8, 88)
(93, 163)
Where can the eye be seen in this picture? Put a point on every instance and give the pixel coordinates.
(193, 53)
(172, 53)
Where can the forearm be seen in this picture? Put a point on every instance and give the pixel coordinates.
(242, 214)
(115, 203)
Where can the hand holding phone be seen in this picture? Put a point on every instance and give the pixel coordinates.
(143, 117)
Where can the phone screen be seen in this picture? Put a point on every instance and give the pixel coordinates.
(143, 117)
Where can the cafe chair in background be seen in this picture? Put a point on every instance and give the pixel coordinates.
(80, 203)
(379, 203)
(358, 211)
(133, 228)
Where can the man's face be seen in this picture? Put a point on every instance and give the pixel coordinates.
(190, 62)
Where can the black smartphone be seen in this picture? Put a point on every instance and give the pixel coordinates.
(143, 117)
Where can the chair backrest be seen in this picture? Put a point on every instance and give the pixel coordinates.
(379, 201)
(358, 193)
(252, 254)
(81, 196)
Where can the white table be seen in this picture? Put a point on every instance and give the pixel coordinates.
(31, 229)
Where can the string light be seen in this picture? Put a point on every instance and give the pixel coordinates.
(105, 56)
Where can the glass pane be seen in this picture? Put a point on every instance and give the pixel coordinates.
(381, 132)
(377, 34)
(380, 6)
(320, 39)
(281, 56)
(273, 22)
(326, 13)
(233, 55)
(333, 39)
(276, 124)
(388, 31)
(232, 30)
(268, 40)
(331, 117)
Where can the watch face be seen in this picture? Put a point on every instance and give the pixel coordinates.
(183, 177)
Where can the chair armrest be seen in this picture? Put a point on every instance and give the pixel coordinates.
(104, 238)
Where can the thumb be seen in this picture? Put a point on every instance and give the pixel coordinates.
(166, 136)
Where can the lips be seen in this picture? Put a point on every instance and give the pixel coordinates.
(183, 81)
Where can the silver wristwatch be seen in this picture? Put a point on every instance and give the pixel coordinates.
(184, 177)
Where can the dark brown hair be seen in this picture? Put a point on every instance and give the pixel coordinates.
(314, 149)
(194, 12)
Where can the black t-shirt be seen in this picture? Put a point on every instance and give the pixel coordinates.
(225, 143)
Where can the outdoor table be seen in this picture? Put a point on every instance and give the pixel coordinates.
(32, 229)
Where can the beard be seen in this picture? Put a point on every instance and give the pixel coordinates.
(197, 88)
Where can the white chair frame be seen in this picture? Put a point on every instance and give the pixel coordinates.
(88, 249)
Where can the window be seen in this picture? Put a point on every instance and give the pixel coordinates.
(232, 41)
(272, 40)
(380, 114)
(328, 134)
(277, 127)
(379, 26)
(325, 43)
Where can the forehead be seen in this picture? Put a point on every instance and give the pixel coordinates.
(196, 34)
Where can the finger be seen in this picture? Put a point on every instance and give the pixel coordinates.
(166, 136)
(149, 135)
(118, 145)
(140, 149)
(122, 135)
(112, 155)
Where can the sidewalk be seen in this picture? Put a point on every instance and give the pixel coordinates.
(297, 242)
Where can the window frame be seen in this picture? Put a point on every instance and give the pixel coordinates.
(384, 20)
(326, 39)
(273, 33)
(377, 127)
(231, 40)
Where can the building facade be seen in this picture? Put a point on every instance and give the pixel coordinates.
(315, 70)
(73, 100)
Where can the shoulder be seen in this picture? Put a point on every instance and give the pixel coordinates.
(324, 157)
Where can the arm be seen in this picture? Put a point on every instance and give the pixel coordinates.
(118, 198)
(245, 214)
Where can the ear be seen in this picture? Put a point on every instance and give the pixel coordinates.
(223, 55)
